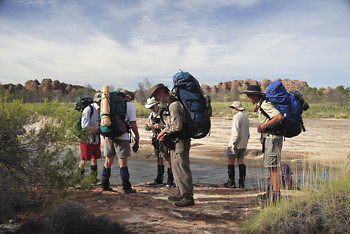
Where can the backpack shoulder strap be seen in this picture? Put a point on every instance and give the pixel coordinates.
(92, 110)
(261, 109)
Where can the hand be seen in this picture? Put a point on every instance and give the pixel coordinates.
(234, 149)
(156, 126)
(136, 138)
(261, 128)
(160, 134)
(149, 124)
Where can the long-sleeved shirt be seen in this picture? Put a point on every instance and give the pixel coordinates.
(89, 123)
(239, 131)
(176, 120)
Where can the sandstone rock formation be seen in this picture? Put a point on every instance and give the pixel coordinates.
(228, 86)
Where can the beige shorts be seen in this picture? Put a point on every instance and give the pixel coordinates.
(113, 147)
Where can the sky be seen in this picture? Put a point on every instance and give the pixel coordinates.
(124, 42)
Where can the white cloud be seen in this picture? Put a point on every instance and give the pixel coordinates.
(121, 45)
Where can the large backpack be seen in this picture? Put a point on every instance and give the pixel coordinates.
(117, 115)
(291, 105)
(197, 106)
(80, 104)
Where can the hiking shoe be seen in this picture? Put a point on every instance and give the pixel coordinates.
(241, 185)
(155, 183)
(108, 189)
(176, 197)
(186, 201)
(170, 185)
(230, 184)
(129, 190)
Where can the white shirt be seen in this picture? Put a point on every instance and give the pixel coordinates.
(239, 131)
(129, 117)
(89, 123)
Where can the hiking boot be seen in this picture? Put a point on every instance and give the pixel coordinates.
(230, 184)
(108, 189)
(242, 174)
(186, 201)
(170, 185)
(176, 197)
(156, 182)
(129, 190)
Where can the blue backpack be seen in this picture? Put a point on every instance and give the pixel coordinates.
(197, 106)
(291, 105)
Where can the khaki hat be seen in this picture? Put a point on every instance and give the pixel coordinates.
(237, 105)
(97, 97)
(128, 93)
(151, 102)
(158, 87)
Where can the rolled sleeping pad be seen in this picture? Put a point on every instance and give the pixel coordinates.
(105, 109)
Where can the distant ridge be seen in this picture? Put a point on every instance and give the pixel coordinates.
(60, 88)
(229, 86)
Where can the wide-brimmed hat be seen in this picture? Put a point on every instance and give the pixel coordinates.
(253, 89)
(128, 93)
(157, 88)
(151, 102)
(237, 105)
(97, 97)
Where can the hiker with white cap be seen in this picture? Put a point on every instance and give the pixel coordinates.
(155, 123)
(237, 145)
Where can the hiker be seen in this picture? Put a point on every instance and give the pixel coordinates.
(272, 142)
(179, 144)
(90, 151)
(120, 147)
(156, 123)
(237, 145)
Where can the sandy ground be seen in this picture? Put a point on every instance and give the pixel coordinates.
(326, 142)
(217, 209)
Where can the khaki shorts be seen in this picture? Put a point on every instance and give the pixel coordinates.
(272, 152)
(113, 147)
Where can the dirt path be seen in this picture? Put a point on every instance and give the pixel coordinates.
(217, 209)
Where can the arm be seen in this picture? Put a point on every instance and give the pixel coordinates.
(135, 130)
(275, 120)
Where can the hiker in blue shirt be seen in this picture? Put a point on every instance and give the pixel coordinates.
(272, 142)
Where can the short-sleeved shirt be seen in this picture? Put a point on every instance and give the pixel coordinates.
(129, 117)
(272, 112)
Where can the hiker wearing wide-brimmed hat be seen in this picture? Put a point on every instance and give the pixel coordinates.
(272, 143)
(237, 145)
(180, 145)
(128, 96)
(155, 123)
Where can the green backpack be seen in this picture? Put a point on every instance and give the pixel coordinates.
(117, 114)
(80, 104)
